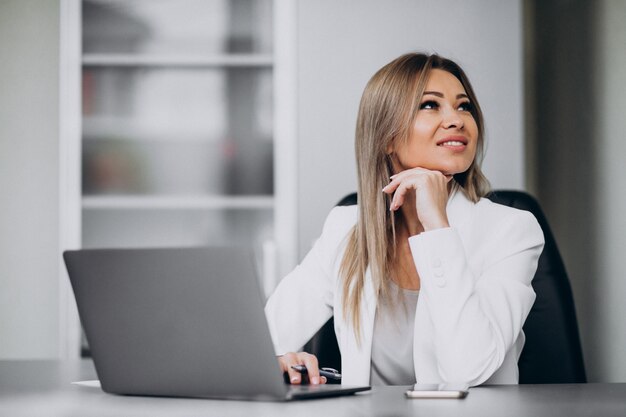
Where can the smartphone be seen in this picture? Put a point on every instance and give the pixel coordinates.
(438, 391)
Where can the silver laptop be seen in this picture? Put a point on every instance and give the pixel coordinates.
(185, 322)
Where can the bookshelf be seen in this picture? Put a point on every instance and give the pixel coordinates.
(177, 113)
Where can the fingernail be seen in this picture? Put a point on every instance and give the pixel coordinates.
(295, 379)
(315, 380)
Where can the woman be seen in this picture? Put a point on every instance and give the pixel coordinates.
(427, 280)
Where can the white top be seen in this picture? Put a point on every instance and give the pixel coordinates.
(475, 294)
(392, 345)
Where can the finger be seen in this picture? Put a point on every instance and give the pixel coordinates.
(323, 380)
(409, 171)
(312, 367)
(398, 196)
(398, 178)
(390, 188)
(295, 377)
(286, 362)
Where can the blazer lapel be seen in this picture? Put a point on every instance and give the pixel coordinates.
(458, 209)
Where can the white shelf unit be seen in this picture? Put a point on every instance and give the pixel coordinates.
(172, 60)
(155, 202)
(118, 72)
(195, 214)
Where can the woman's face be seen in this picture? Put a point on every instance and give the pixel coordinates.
(444, 134)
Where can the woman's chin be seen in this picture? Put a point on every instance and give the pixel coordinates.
(445, 167)
(451, 169)
(447, 170)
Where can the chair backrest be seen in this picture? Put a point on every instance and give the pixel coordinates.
(552, 353)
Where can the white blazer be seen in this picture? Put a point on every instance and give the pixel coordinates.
(475, 295)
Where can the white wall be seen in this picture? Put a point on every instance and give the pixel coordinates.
(340, 46)
(29, 49)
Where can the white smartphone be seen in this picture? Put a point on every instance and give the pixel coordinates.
(438, 391)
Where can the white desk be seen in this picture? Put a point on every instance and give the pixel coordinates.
(43, 388)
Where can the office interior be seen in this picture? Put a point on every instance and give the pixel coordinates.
(234, 119)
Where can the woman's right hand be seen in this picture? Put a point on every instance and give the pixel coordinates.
(429, 190)
(290, 359)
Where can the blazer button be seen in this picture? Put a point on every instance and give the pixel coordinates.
(440, 281)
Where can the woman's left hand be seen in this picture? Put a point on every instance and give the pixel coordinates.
(431, 195)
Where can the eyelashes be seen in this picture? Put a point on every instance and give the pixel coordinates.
(466, 106)
(434, 105)
(429, 105)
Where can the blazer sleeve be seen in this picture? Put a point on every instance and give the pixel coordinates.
(477, 316)
(303, 301)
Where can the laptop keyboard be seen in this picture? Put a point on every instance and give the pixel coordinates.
(313, 388)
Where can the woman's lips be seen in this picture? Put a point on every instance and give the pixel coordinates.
(453, 143)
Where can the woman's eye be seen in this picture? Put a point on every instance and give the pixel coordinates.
(466, 106)
(429, 105)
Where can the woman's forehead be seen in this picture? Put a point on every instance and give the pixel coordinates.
(443, 82)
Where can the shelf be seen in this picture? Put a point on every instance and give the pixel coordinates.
(152, 60)
(135, 202)
(97, 128)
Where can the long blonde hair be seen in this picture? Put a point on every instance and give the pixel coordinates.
(387, 110)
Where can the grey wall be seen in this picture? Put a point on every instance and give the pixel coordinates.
(577, 74)
(29, 57)
(340, 46)
(608, 354)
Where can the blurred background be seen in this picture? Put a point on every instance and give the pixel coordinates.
(197, 122)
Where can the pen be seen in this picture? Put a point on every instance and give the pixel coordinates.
(329, 373)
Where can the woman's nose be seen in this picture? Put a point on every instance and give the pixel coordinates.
(451, 119)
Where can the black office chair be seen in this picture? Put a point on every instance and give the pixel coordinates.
(552, 353)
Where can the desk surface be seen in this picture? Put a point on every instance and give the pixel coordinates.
(43, 388)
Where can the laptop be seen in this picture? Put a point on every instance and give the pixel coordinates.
(182, 322)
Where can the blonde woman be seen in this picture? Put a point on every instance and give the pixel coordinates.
(427, 281)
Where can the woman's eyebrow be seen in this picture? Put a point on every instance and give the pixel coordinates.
(438, 94)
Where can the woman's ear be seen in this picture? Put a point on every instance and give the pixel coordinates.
(389, 149)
